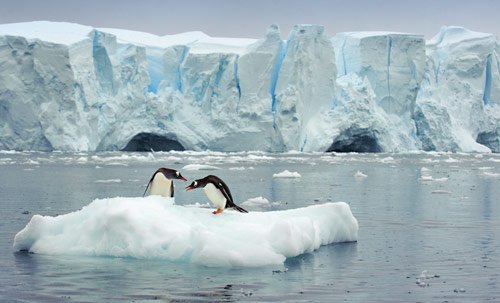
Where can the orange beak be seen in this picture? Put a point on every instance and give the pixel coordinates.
(189, 188)
(182, 178)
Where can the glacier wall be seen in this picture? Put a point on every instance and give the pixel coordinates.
(71, 87)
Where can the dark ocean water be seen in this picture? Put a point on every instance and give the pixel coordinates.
(421, 239)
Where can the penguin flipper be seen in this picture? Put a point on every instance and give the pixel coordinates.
(147, 186)
(149, 183)
(171, 189)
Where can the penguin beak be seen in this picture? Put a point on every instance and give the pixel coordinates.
(189, 188)
(182, 178)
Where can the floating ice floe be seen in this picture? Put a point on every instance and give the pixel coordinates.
(430, 178)
(490, 174)
(424, 170)
(237, 168)
(82, 160)
(387, 160)
(155, 228)
(31, 162)
(108, 181)
(359, 175)
(443, 179)
(424, 277)
(485, 168)
(441, 191)
(287, 174)
(426, 178)
(259, 204)
(199, 167)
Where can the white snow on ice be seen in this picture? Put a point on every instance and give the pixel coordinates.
(55, 32)
(154, 227)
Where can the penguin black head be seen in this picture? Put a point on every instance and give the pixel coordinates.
(170, 173)
(200, 183)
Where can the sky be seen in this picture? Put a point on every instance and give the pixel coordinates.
(251, 18)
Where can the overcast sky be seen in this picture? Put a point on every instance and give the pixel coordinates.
(250, 18)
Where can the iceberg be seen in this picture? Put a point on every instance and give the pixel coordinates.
(155, 228)
(457, 107)
(71, 87)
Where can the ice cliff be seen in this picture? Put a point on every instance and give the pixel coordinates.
(70, 87)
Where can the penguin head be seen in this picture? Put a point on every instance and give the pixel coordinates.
(171, 173)
(179, 176)
(196, 184)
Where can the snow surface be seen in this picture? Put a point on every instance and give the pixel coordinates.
(54, 32)
(154, 227)
(147, 39)
(71, 87)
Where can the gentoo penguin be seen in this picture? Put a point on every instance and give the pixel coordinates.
(161, 182)
(217, 191)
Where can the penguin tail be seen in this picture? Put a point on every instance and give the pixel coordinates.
(241, 210)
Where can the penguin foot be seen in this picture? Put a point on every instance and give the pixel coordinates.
(217, 211)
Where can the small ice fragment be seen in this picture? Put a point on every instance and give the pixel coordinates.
(108, 181)
(485, 168)
(287, 174)
(82, 160)
(444, 179)
(441, 191)
(387, 160)
(237, 168)
(32, 162)
(359, 175)
(199, 167)
(490, 174)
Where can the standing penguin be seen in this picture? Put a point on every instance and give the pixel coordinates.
(218, 192)
(161, 182)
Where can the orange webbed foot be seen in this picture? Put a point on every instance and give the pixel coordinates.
(217, 211)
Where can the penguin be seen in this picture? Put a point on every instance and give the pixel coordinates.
(161, 182)
(218, 192)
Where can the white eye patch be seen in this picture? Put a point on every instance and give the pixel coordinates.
(177, 173)
(195, 183)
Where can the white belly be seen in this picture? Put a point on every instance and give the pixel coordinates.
(215, 196)
(160, 186)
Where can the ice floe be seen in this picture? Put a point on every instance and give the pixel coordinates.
(287, 174)
(155, 228)
(199, 167)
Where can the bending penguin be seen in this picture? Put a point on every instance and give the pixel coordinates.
(161, 182)
(218, 192)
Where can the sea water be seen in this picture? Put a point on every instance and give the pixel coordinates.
(429, 227)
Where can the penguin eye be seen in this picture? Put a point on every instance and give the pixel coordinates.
(195, 184)
(177, 173)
